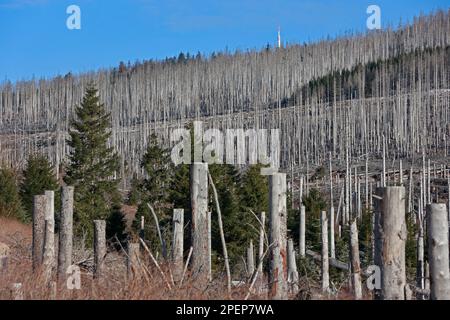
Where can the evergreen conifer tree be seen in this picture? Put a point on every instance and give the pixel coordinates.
(38, 177)
(92, 164)
(10, 204)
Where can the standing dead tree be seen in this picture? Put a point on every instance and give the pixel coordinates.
(278, 256)
(199, 206)
(99, 247)
(390, 241)
(355, 262)
(133, 260)
(302, 247)
(65, 231)
(177, 243)
(292, 268)
(49, 258)
(325, 257)
(38, 230)
(437, 226)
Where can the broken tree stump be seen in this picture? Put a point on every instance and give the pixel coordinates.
(390, 240)
(199, 206)
(65, 231)
(437, 225)
(99, 247)
(278, 256)
(292, 268)
(133, 266)
(49, 258)
(177, 243)
(38, 230)
(355, 262)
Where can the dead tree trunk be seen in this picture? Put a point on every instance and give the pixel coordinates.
(292, 268)
(437, 226)
(278, 263)
(99, 247)
(302, 247)
(65, 231)
(262, 232)
(199, 205)
(250, 260)
(133, 270)
(38, 230)
(325, 257)
(354, 260)
(49, 260)
(332, 225)
(177, 243)
(390, 240)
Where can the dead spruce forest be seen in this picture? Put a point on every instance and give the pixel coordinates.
(359, 208)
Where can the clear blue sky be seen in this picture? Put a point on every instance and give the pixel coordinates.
(36, 42)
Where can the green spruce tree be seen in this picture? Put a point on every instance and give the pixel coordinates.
(154, 190)
(10, 204)
(38, 177)
(92, 164)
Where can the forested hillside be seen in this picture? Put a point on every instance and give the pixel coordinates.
(407, 67)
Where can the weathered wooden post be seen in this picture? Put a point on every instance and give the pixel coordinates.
(390, 240)
(199, 206)
(250, 260)
(278, 263)
(437, 226)
(99, 247)
(38, 230)
(302, 247)
(4, 256)
(354, 261)
(49, 259)
(133, 260)
(292, 268)
(325, 258)
(177, 243)
(65, 231)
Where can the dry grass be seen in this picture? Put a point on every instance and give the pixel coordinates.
(149, 284)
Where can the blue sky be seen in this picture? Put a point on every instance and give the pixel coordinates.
(36, 42)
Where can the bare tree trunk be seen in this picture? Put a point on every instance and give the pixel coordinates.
(49, 260)
(39, 207)
(302, 247)
(332, 226)
(222, 234)
(199, 205)
(262, 232)
(177, 243)
(65, 231)
(209, 247)
(420, 277)
(292, 268)
(355, 263)
(133, 266)
(437, 227)
(325, 258)
(390, 240)
(250, 260)
(99, 247)
(278, 263)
